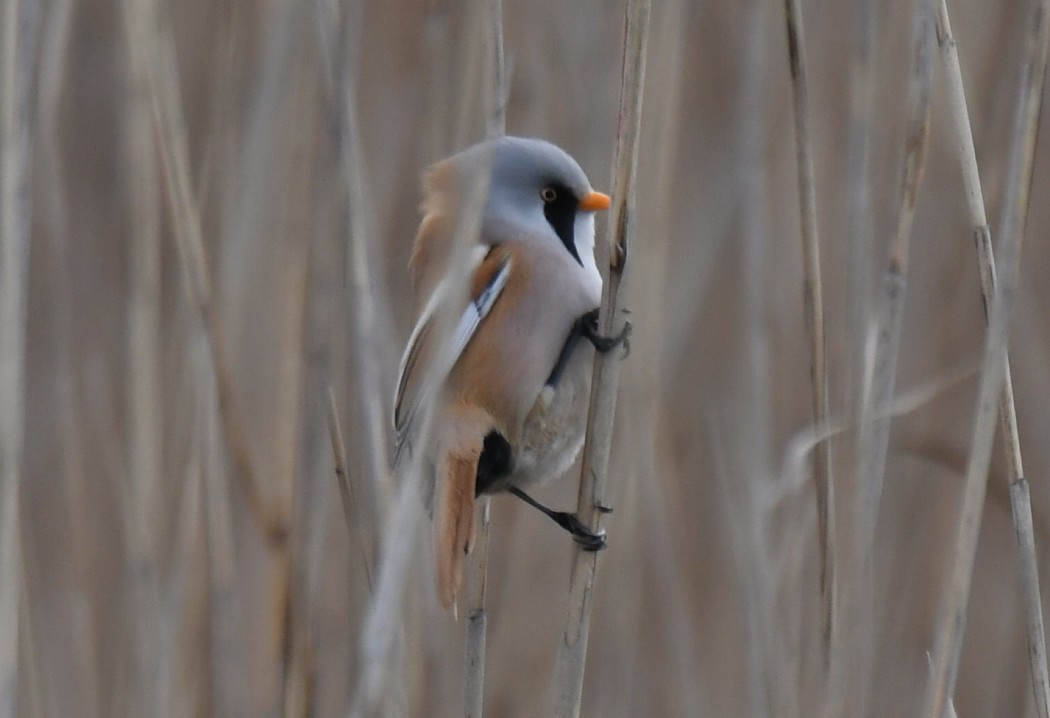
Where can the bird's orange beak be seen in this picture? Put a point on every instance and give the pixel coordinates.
(595, 201)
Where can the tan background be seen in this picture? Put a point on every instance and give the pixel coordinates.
(152, 587)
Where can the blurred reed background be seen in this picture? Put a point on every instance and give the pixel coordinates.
(224, 196)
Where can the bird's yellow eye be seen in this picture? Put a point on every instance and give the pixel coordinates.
(548, 194)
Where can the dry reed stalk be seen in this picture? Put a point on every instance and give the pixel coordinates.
(862, 82)
(878, 394)
(67, 426)
(68, 433)
(951, 619)
(33, 699)
(346, 487)
(20, 22)
(1020, 503)
(145, 441)
(364, 296)
(477, 618)
(874, 433)
(766, 577)
(183, 624)
(655, 502)
(477, 563)
(226, 625)
(847, 672)
(813, 308)
(572, 653)
(303, 481)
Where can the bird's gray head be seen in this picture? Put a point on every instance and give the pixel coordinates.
(536, 193)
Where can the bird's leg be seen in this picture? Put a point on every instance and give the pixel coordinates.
(588, 325)
(589, 540)
(566, 354)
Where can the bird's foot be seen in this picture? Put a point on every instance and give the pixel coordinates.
(589, 329)
(587, 539)
(582, 535)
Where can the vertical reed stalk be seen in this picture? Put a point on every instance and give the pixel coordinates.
(20, 23)
(69, 424)
(346, 487)
(225, 626)
(477, 563)
(776, 670)
(878, 396)
(572, 653)
(813, 308)
(364, 295)
(144, 391)
(848, 673)
(951, 619)
(1020, 503)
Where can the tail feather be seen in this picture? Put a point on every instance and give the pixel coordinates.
(455, 525)
(454, 510)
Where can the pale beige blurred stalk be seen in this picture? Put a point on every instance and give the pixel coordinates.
(951, 618)
(572, 653)
(142, 510)
(226, 626)
(303, 478)
(767, 573)
(20, 22)
(69, 434)
(848, 670)
(1020, 502)
(478, 561)
(878, 391)
(813, 308)
(365, 296)
(346, 486)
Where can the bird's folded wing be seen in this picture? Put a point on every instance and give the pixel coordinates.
(423, 368)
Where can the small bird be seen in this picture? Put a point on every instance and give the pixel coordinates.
(511, 411)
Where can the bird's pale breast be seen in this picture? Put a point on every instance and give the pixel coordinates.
(553, 430)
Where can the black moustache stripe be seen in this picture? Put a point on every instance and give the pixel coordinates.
(561, 215)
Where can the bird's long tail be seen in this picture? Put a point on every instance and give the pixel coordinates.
(463, 440)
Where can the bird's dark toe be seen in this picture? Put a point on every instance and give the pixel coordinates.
(591, 542)
(582, 535)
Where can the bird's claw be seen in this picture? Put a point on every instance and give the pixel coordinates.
(603, 343)
(591, 542)
(587, 539)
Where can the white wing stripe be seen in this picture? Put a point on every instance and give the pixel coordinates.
(478, 310)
